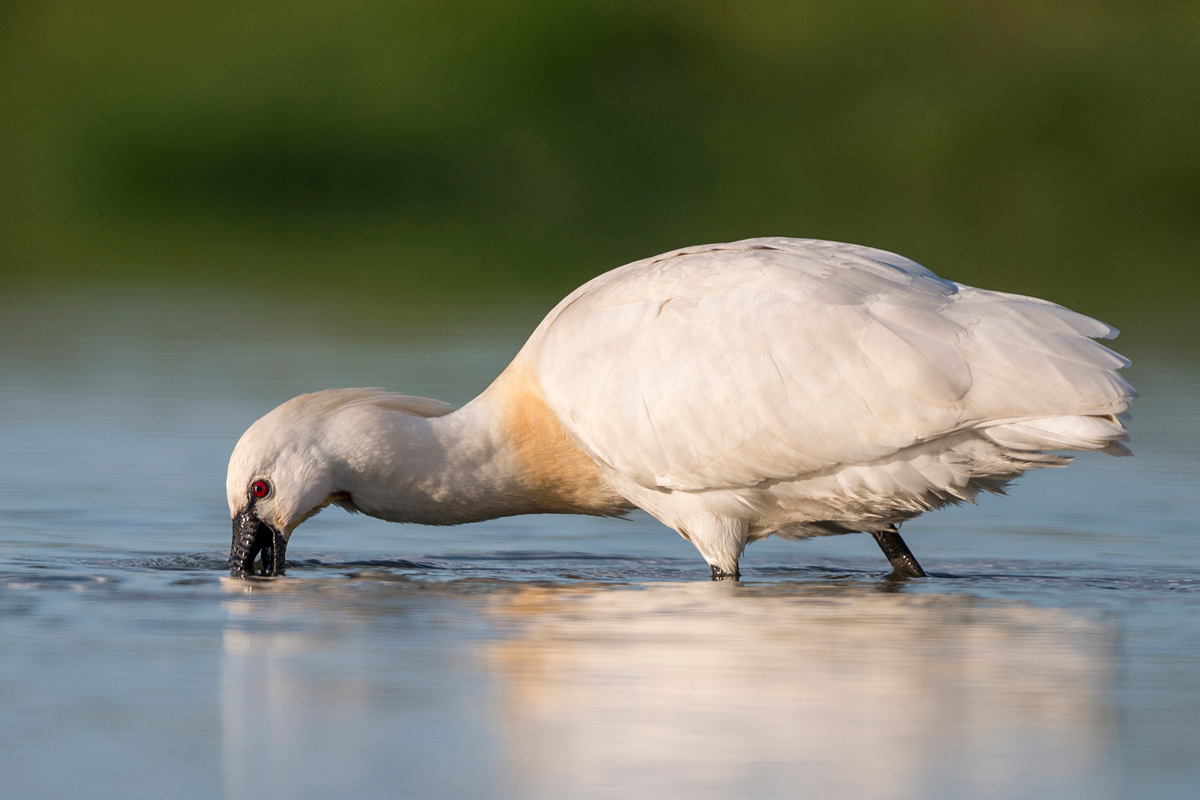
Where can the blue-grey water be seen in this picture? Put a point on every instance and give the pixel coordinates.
(1055, 652)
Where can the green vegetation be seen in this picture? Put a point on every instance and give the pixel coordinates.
(420, 147)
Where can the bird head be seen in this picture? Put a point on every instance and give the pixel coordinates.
(299, 458)
(280, 474)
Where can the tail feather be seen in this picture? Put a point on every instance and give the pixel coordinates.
(1103, 433)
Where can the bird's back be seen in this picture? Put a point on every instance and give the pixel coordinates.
(772, 362)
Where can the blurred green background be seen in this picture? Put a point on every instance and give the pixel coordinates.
(390, 150)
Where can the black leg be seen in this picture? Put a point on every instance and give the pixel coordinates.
(721, 575)
(904, 563)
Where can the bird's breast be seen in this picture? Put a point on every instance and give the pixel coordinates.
(557, 474)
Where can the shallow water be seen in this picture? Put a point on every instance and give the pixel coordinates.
(1055, 652)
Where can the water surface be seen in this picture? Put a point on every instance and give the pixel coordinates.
(1053, 654)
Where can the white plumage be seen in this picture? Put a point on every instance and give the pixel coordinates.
(734, 391)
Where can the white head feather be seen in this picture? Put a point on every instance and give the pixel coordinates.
(299, 449)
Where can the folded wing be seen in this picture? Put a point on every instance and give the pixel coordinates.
(730, 365)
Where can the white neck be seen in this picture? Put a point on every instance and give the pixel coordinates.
(435, 471)
(485, 460)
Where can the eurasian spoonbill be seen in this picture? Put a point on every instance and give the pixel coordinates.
(770, 386)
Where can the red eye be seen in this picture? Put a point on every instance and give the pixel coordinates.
(260, 489)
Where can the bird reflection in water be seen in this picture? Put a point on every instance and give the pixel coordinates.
(712, 690)
(495, 688)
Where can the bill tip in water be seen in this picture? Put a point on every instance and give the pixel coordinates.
(254, 540)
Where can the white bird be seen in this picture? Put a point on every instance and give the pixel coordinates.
(778, 386)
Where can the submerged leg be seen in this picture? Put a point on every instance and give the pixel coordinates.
(904, 563)
(719, 574)
(719, 539)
